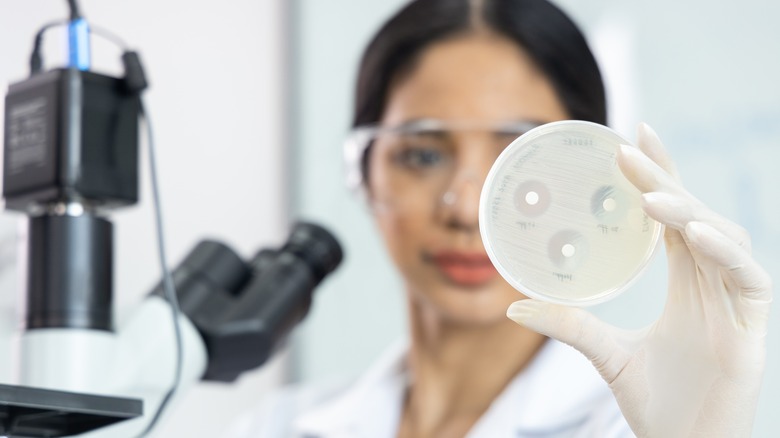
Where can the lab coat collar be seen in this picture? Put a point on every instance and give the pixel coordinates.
(558, 388)
(370, 407)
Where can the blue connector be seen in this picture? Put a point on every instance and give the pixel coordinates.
(78, 44)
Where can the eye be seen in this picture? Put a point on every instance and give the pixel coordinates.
(503, 138)
(419, 158)
(422, 153)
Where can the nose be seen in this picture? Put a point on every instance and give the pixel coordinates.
(459, 204)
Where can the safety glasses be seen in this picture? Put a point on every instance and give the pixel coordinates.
(417, 165)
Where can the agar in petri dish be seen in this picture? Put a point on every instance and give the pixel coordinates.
(560, 221)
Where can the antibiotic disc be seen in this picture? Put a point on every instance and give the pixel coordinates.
(560, 221)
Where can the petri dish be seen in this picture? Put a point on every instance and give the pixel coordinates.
(559, 220)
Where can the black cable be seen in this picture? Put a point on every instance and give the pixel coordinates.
(168, 284)
(36, 62)
(108, 36)
(75, 12)
(138, 79)
(135, 79)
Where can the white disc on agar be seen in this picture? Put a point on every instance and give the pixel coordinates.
(560, 221)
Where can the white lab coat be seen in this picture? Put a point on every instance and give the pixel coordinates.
(558, 395)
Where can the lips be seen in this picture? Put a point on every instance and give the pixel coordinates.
(466, 269)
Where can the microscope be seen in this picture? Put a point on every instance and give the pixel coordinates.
(71, 158)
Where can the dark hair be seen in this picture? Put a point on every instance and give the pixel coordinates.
(550, 38)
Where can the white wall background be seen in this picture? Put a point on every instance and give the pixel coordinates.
(704, 74)
(217, 104)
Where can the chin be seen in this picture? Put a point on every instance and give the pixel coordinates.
(475, 317)
(471, 305)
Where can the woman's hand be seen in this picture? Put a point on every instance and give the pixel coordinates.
(697, 370)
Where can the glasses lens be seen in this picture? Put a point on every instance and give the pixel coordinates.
(411, 168)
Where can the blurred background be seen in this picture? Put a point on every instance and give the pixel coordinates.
(251, 100)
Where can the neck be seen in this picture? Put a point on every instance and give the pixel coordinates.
(459, 369)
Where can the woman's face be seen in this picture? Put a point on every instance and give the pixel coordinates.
(425, 184)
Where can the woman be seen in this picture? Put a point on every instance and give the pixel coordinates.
(443, 87)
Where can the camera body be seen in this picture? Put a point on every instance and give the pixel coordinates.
(70, 136)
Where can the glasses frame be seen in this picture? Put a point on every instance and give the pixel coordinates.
(360, 139)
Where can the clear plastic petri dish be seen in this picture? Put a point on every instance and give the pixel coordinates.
(560, 221)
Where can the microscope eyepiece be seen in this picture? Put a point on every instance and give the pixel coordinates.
(244, 311)
(316, 246)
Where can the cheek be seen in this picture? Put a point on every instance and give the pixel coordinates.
(405, 230)
(404, 237)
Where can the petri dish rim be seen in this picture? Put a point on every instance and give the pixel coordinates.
(485, 233)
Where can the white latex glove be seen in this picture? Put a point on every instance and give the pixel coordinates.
(697, 370)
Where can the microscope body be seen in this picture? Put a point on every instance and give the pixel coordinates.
(135, 361)
(70, 158)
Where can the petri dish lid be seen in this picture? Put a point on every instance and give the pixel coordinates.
(559, 220)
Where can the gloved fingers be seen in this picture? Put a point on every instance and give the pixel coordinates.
(576, 327)
(644, 173)
(685, 300)
(634, 165)
(678, 210)
(651, 145)
(648, 176)
(650, 169)
(753, 293)
(650, 150)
